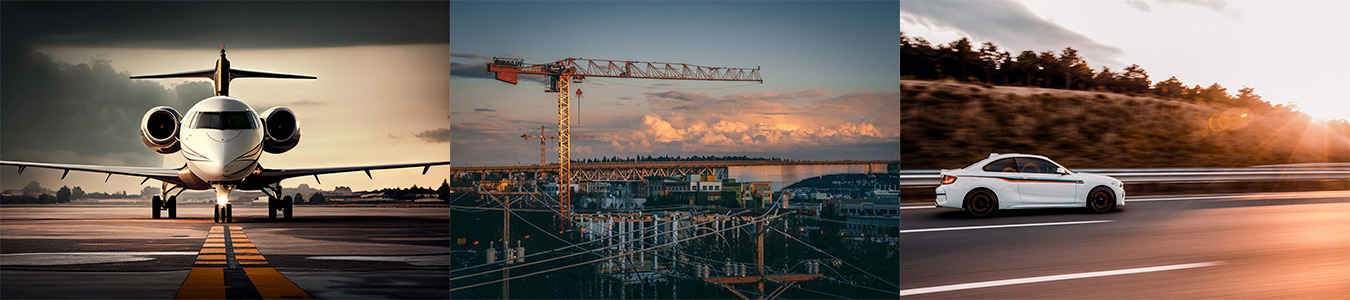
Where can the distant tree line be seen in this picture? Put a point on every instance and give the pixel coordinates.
(34, 193)
(641, 158)
(959, 60)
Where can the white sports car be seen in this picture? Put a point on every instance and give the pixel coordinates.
(1017, 181)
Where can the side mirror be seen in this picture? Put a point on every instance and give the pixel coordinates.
(1062, 171)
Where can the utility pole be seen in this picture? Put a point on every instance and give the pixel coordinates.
(506, 246)
(759, 256)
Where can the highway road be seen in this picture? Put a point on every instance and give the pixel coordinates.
(111, 252)
(1236, 246)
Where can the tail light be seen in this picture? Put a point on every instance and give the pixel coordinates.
(948, 179)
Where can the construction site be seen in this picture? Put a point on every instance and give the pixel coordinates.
(537, 231)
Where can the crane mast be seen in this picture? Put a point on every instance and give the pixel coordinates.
(564, 72)
(543, 159)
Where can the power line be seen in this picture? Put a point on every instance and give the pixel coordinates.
(561, 257)
(602, 258)
(836, 258)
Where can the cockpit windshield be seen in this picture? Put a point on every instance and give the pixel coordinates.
(226, 120)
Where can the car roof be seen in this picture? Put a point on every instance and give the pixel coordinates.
(997, 156)
(993, 156)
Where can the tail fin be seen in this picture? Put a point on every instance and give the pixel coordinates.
(223, 71)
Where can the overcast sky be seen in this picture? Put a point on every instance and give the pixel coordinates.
(1289, 51)
(830, 70)
(381, 96)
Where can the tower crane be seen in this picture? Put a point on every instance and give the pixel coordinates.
(564, 72)
(543, 160)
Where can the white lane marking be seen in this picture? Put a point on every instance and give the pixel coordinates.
(1001, 226)
(1240, 196)
(917, 207)
(994, 283)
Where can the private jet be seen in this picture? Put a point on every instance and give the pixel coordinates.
(221, 138)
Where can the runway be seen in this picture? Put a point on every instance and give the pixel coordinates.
(79, 251)
(1241, 246)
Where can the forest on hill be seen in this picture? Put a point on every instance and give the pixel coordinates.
(960, 104)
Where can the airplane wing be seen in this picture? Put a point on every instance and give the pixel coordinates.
(237, 73)
(201, 74)
(169, 175)
(276, 175)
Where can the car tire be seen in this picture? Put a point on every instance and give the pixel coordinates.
(1101, 200)
(981, 203)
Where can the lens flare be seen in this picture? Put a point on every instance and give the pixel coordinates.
(1231, 119)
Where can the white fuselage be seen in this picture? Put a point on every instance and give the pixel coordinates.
(222, 140)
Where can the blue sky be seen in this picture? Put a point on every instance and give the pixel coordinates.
(830, 70)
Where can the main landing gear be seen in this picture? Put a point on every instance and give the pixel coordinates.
(165, 202)
(285, 205)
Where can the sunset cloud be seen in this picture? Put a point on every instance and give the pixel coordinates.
(762, 122)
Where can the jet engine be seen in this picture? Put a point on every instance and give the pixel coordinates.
(282, 130)
(159, 129)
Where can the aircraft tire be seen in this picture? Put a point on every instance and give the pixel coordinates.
(229, 213)
(271, 207)
(155, 205)
(288, 206)
(173, 207)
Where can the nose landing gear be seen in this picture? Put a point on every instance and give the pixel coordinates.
(224, 213)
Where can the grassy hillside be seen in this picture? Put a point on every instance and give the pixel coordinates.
(949, 125)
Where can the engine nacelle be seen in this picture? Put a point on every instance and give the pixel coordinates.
(281, 130)
(159, 129)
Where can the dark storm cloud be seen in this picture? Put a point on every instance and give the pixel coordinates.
(196, 25)
(52, 111)
(678, 95)
(438, 135)
(51, 108)
(469, 70)
(1008, 24)
(478, 69)
(471, 56)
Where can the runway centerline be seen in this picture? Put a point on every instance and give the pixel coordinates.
(229, 266)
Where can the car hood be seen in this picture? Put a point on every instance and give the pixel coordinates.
(1094, 177)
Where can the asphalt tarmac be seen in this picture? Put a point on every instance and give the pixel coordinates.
(1247, 246)
(119, 252)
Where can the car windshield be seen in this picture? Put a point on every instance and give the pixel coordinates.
(226, 120)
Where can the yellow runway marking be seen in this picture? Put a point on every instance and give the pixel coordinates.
(203, 283)
(272, 285)
(220, 271)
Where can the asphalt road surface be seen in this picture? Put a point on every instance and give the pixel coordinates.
(1237, 246)
(107, 252)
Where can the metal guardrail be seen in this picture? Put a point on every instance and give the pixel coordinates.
(922, 178)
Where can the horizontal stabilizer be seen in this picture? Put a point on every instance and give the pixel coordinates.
(237, 73)
(194, 74)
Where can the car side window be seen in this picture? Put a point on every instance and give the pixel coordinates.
(1035, 165)
(1002, 165)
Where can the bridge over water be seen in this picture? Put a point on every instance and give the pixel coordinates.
(781, 173)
